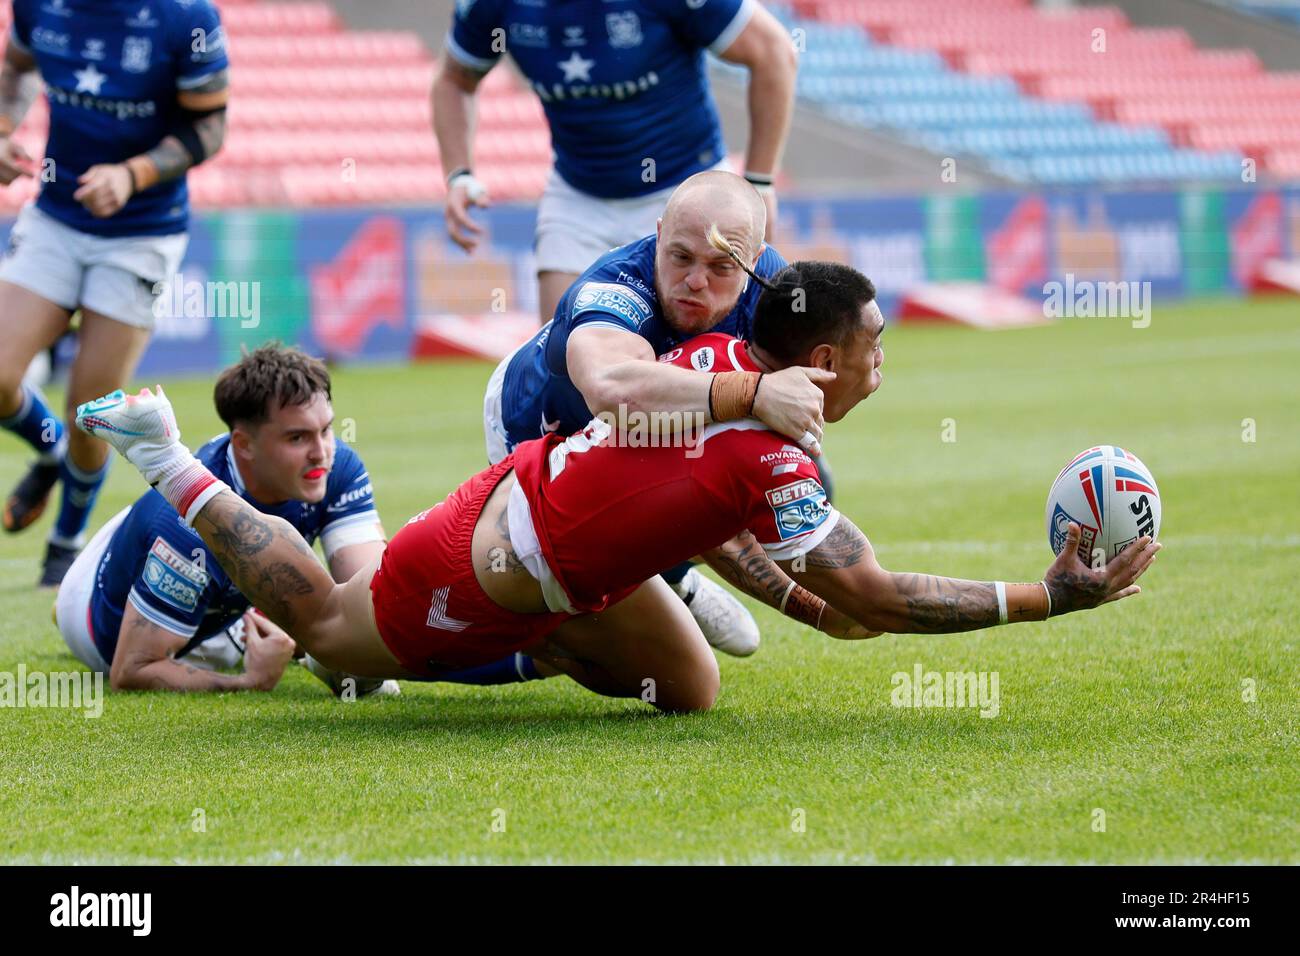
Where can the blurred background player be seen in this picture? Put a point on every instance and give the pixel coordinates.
(625, 93)
(137, 93)
(148, 604)
(635, 303)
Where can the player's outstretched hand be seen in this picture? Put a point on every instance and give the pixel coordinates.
(104, 189)
(790, 402)
(465, 192)
(1075, 586)
(267, 651)
(13, 161)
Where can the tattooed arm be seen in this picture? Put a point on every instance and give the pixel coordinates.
(143, 659)
(744, 564)
(199, 132)
(843, 570)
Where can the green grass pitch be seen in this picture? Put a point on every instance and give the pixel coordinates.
(1174, 714)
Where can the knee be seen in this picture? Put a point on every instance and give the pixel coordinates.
(691, 693)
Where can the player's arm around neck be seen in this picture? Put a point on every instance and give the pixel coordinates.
(614, 369)
(143, 660)
(843, 571)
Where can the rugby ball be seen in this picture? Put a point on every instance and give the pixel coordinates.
(1111, 495)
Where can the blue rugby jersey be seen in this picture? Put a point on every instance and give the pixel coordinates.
(166, 571)
(622, 81)
(112, 69)
(618, 290)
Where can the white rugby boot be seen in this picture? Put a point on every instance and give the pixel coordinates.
(337, 681)
(726, 623)
(143, 429)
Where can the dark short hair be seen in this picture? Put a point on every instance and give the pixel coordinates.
(809, 303)
(271, 373)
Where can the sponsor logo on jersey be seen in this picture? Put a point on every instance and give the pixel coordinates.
(671, 356)
(172, 578)
(615, 298)
(576, 68)
(350, 497)
(529, 34)
(624, 29)
(618, 91)
(135, 54)
(702, 359)
(573, 36)
(50, 41)
(142, 19)
(636, 282)
(799, 507)
(783, 462)
(94, 49)
(57, 7)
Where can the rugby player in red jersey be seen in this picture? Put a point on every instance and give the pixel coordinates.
(556, 548)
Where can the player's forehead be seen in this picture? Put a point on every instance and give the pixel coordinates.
(688, 229)
(312, 415)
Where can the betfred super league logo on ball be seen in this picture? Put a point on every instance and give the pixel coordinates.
(1060, 528)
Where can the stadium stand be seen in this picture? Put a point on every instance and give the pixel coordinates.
(319, 107)
(1285, 11)
(1049, 96)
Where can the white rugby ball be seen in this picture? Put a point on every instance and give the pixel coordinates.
(1111, 495)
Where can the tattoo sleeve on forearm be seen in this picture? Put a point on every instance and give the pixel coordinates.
(267, 559)
(743, 563)
(842, 548)
(944, 605)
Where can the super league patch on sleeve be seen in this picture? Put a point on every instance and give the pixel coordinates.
(612, 297)
(172, 577)
(798, 507)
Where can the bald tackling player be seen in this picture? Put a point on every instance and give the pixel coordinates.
(641, 300)
(624, 87)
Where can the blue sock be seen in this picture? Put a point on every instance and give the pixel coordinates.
(37, 425)
(509, 670)
(675, 575)
(80, 489)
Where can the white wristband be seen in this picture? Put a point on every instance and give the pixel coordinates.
(1001, 588)
(1048, 592)
(474, 189)
(785, 597)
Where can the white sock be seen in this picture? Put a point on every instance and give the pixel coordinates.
(182, 479)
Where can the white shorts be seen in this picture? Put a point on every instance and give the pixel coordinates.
(72, 613)
(574, 229)
(114, 276)
(72, 606)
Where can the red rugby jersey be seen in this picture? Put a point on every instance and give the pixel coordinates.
(611, 511)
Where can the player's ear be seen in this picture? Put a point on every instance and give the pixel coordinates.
(659, 228)
(823, 356)
(241, 441)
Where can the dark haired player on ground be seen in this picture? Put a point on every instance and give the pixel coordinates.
(148, 604)
(555, 549)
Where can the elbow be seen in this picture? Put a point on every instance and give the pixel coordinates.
(124, 678)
